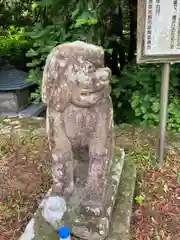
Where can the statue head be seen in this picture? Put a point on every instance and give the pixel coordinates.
(74, 72)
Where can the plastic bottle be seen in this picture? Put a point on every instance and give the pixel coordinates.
(53, 209)
(64, 233)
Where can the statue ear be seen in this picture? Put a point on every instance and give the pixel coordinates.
(56, 92)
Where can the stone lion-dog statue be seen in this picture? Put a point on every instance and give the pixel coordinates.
(76, 90)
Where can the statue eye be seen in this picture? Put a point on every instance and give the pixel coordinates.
(77, 82)
(91, 68)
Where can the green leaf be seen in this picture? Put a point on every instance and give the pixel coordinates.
(80, 22)
(35, 75)
(92, 21)
(31, 53)
(46, 49)
(135, 101)
(119, 105)
(37, 34)
(156, 107)
(110, 50)
(115, 80)
(117, 92)
(34, 5)
(1, 208)
(34, 63)
(143, 109)
(138, 112)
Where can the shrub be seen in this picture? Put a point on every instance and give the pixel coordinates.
(13, 45)
(136, 96)
(45, 38)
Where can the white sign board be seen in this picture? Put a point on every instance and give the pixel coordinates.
(159, 31)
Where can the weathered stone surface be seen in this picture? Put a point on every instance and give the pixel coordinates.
(8, 101)
(120, 227)
(120, 221)
(14, 101)
(95, 225)
(14, 89)
(36, 110)
(79, 117)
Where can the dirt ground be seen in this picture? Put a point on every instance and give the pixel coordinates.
(158, 217)
(156, 211)
(25, 176)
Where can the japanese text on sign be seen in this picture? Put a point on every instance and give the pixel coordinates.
(162, 27)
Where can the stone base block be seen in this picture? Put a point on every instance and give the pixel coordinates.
(37, 110)
(83, 226)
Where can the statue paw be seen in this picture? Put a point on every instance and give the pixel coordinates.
(92, 208)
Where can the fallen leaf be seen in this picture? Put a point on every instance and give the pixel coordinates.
(165, 208)
(138, 213)
(154, 221)
(165, 188)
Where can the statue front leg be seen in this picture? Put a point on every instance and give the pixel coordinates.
(100, 159)
(62, 156)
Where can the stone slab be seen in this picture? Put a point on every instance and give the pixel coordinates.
(14, 101)
(37, 110)
(120, 223)
(120, 227)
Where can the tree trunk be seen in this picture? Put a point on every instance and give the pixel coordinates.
(121, 50)
(133, 29)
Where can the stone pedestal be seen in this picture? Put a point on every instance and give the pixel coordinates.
(118, 218)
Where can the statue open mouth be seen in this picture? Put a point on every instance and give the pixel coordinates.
(98, 88)
(90, 92)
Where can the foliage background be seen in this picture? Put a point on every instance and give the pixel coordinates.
(30, 29)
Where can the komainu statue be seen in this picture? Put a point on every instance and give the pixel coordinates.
(80, 116)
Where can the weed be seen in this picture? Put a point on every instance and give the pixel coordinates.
(178, 177)
(140, 199)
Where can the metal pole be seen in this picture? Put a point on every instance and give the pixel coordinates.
(163, 111)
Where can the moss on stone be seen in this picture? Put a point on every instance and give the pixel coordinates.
(43, 230)
(120, 225)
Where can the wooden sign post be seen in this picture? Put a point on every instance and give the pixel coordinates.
(158, 41)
